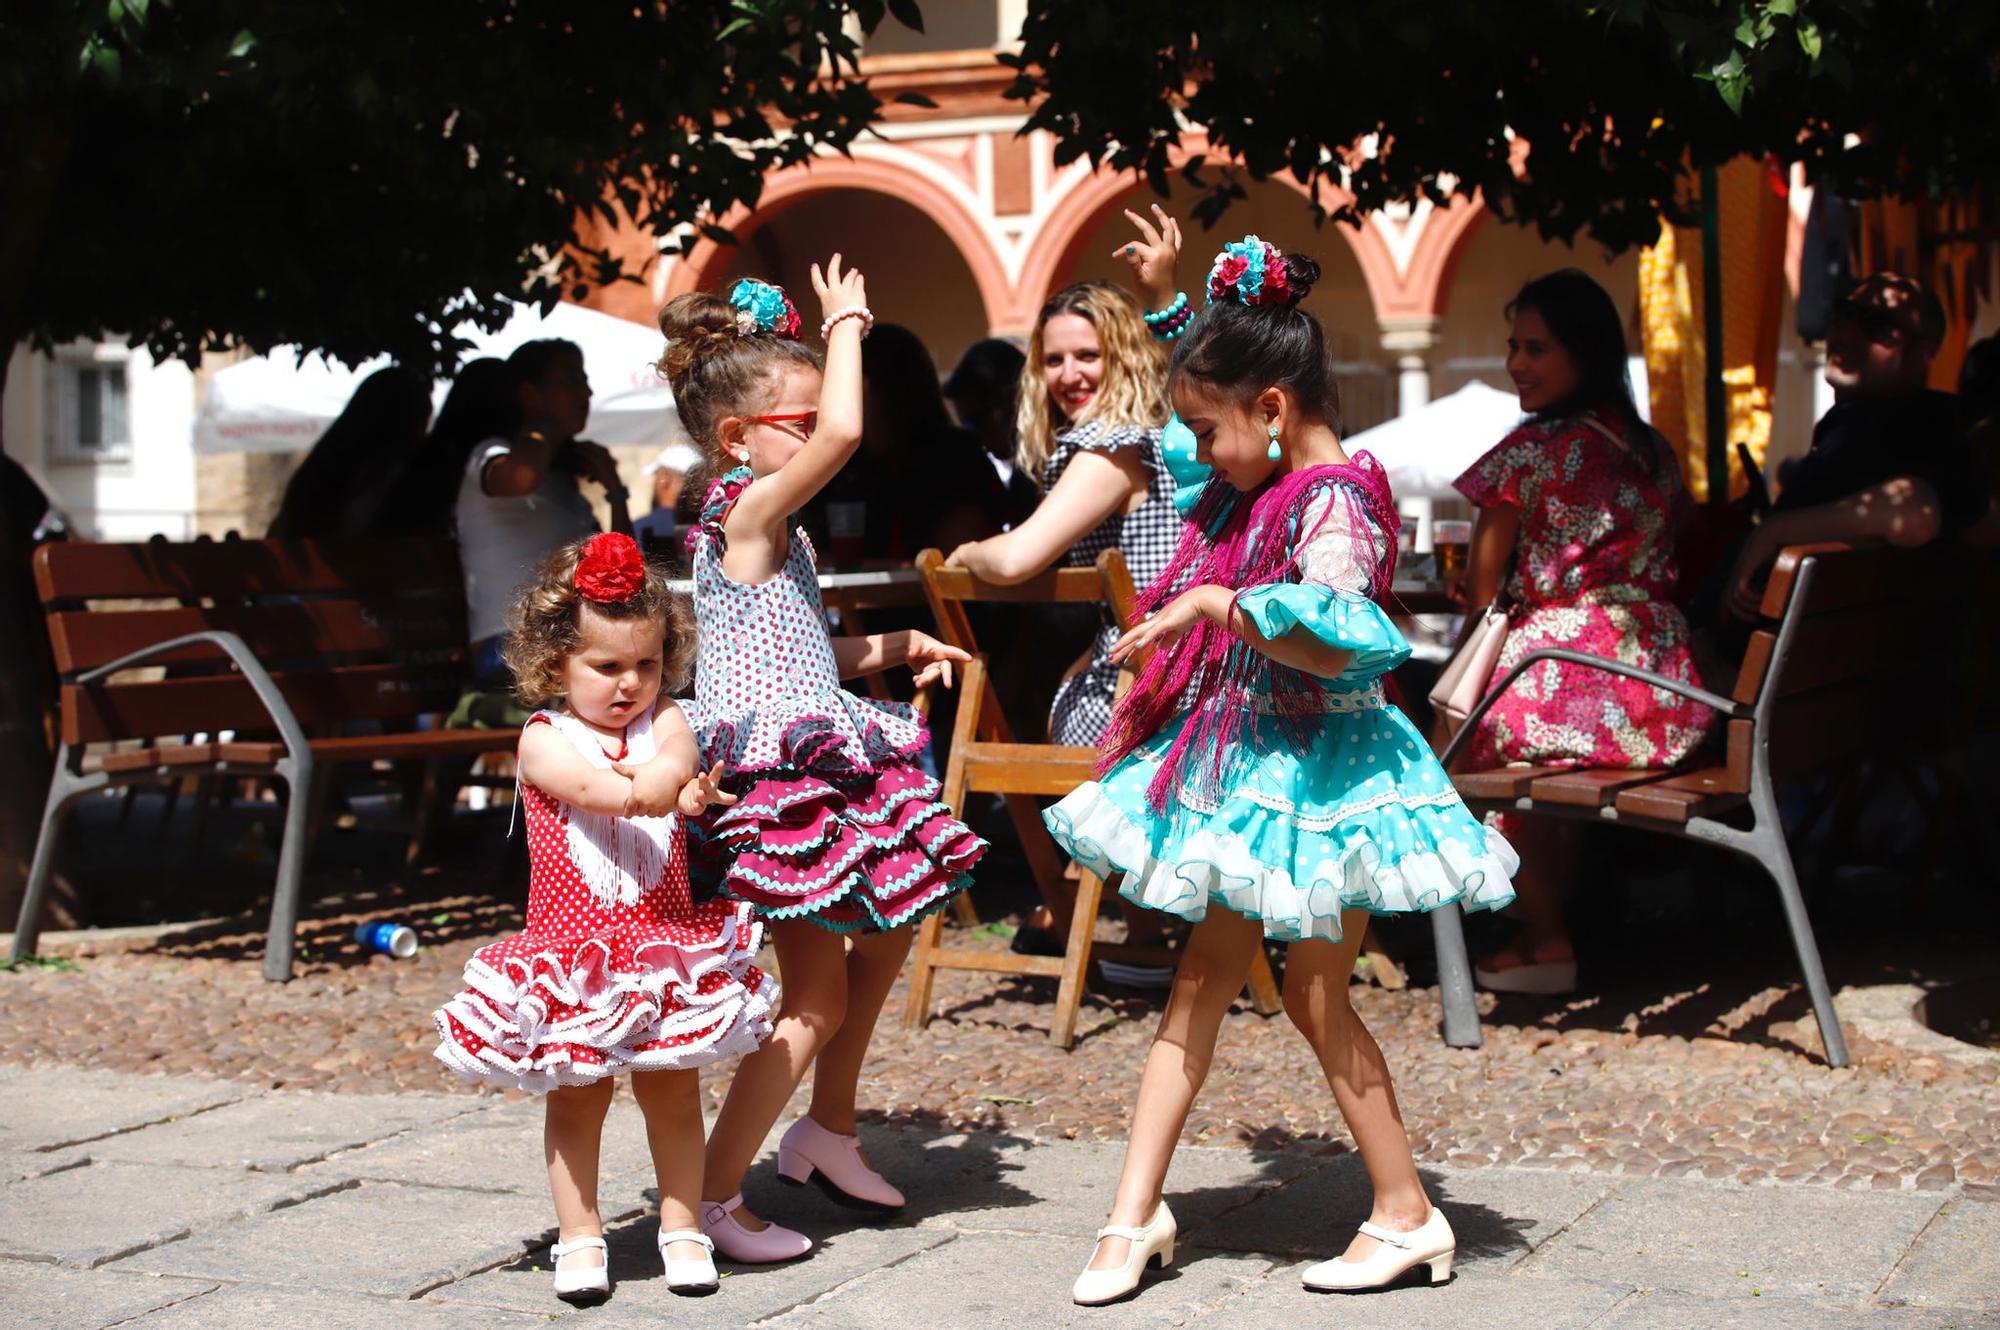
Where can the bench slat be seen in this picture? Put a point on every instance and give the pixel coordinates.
(1501, 782)
(1836, 647)
(1700, 793)
(85, 639)
(1589, 787)
(1028, 768)
(89, 571)
(151, 709)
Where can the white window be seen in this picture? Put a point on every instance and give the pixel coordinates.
(91, 395)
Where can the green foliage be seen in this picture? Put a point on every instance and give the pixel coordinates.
(1618, 100)
(358, 176)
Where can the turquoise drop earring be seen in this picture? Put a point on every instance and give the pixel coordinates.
(1272, 451)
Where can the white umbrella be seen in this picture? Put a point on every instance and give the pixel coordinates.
(279, 403)
(1426, 450)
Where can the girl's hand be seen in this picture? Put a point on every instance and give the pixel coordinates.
(838, 290)
(968, 556)
(1153, 257)
(1167, 625)
(656, 787)
(704, 791)
(932, 659)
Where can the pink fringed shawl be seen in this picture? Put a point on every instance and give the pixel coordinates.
(1255, 541)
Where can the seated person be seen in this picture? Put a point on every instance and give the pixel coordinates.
(1889, 462)
(662, 533)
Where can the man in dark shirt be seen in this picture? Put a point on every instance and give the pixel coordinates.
(1889, 462)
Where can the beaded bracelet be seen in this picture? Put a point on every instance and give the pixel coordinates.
(1159, 316)
(861, 312)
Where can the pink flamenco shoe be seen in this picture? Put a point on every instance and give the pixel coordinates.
(811, 1153)
(764, 1246)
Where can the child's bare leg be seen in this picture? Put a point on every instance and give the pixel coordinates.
(1316, 998)
(872, 966)
(671, 1101)
(1213, 967)
(572, 1131)
(812, 967)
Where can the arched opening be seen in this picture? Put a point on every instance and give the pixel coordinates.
(1280, 214)
(916, 275)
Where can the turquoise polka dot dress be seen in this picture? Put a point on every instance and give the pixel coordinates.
(1361, 817)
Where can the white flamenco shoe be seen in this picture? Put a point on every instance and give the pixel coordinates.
(1151, 1245)
(690, 1278)
(1431, 1243)
(582, 1284)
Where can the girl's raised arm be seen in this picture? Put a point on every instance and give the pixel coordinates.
(775, 497)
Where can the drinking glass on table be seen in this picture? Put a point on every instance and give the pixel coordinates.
(1453, 540)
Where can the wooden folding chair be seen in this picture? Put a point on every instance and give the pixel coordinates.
(985, 757)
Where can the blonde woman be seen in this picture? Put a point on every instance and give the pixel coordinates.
(1093, 404)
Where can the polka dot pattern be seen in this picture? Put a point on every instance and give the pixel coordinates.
(587, 990)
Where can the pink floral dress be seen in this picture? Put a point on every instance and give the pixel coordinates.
(618, 969)
(835, 822)
(1593, 572)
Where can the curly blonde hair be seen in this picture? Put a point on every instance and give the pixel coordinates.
(1133, 390)
(543, 629)
(715, 369)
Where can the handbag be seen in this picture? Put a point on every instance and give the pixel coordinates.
(1469, 673)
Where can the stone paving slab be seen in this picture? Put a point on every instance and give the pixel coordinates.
(1498, 1215)
(1488, 1302)
(16, 1165)
(87, 1216)
(377, 1238)
(70, 1105)
(246, 1307)
(748, 1293)
(38, 1295)
(987, 1279)
(1956, 1263)
(282, 1131)
(1726, 1241)
(942, 1174)
(1666, 1310)
(498, 1149)
(1068, 1189)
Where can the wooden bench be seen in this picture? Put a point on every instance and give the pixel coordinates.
(296, 640)
(1825, 682)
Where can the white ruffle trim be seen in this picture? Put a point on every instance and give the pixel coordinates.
(508, 1009)
(1216, 866)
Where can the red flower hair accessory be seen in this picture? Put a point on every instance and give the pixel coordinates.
(1250, 272)
(611, 571)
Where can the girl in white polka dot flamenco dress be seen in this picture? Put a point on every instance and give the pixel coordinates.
(617, 969)
(839, 838)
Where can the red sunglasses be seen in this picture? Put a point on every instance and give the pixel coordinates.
(808, 421)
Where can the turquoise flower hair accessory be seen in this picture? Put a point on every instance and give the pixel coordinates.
(1250, 271)
(763, 308)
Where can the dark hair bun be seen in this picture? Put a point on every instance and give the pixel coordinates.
(1301, 273)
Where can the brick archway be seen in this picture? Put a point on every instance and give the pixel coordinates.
(704, 262)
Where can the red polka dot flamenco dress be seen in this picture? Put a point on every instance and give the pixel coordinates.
(617, 968)
(835, 822)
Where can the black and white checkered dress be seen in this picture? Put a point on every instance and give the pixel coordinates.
(1147, 535)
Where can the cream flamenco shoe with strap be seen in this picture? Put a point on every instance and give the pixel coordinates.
(582, 1284)
(690, 1277)
(1431, 1243)
(1152, 1245)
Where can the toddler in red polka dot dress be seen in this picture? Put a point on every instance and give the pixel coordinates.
(617, 969)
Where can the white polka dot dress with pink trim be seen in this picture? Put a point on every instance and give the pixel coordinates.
(618, 969)
(835, 821)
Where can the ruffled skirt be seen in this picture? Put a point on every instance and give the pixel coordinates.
(1363, 819)
(838, 825)
(635, 992)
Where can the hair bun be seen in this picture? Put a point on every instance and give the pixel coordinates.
(1301, 275)
(695, 324)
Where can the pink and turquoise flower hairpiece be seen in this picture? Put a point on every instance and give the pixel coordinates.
(1250, 272)
(764, 308)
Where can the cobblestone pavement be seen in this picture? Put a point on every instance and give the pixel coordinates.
(1662, 1077)
(173, 1202)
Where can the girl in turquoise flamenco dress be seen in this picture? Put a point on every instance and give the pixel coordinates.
(1256, 781)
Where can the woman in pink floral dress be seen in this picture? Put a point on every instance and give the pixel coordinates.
(1577, 513)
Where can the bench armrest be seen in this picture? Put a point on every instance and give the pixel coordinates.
(259, 679)
(1726, 706)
